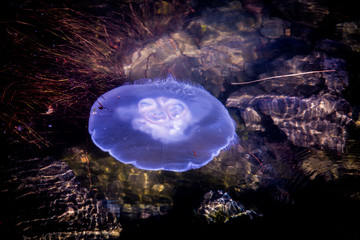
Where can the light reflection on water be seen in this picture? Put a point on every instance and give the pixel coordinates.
(280, 117)
(295, 133)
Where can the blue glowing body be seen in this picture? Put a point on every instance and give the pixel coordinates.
(161, 125)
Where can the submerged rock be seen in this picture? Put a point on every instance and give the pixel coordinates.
(318, 121)
(273, 28)
(219, 207)
(208, 50)
(308, 12)
(45, 201)
(308, 109)
(350, 32)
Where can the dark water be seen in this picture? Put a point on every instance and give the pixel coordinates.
(292, 173)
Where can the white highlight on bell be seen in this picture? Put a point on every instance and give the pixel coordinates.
(165, 119)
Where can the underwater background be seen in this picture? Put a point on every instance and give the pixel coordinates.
(287, 71)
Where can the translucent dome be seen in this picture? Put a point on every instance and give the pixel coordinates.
(161, 125)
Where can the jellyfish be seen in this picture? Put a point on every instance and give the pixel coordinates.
(161, 125)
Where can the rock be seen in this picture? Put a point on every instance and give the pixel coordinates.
(308, 108)
(318, 121)
(350, 32)
(159, 58)
(305, 85)
(308, 12)
(219, 207)
(45, 201)
(209, 50)
(273, 28)
(139, 193)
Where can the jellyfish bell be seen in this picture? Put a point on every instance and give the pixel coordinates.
(161, 125)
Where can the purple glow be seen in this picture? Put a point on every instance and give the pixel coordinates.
(161, 125)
